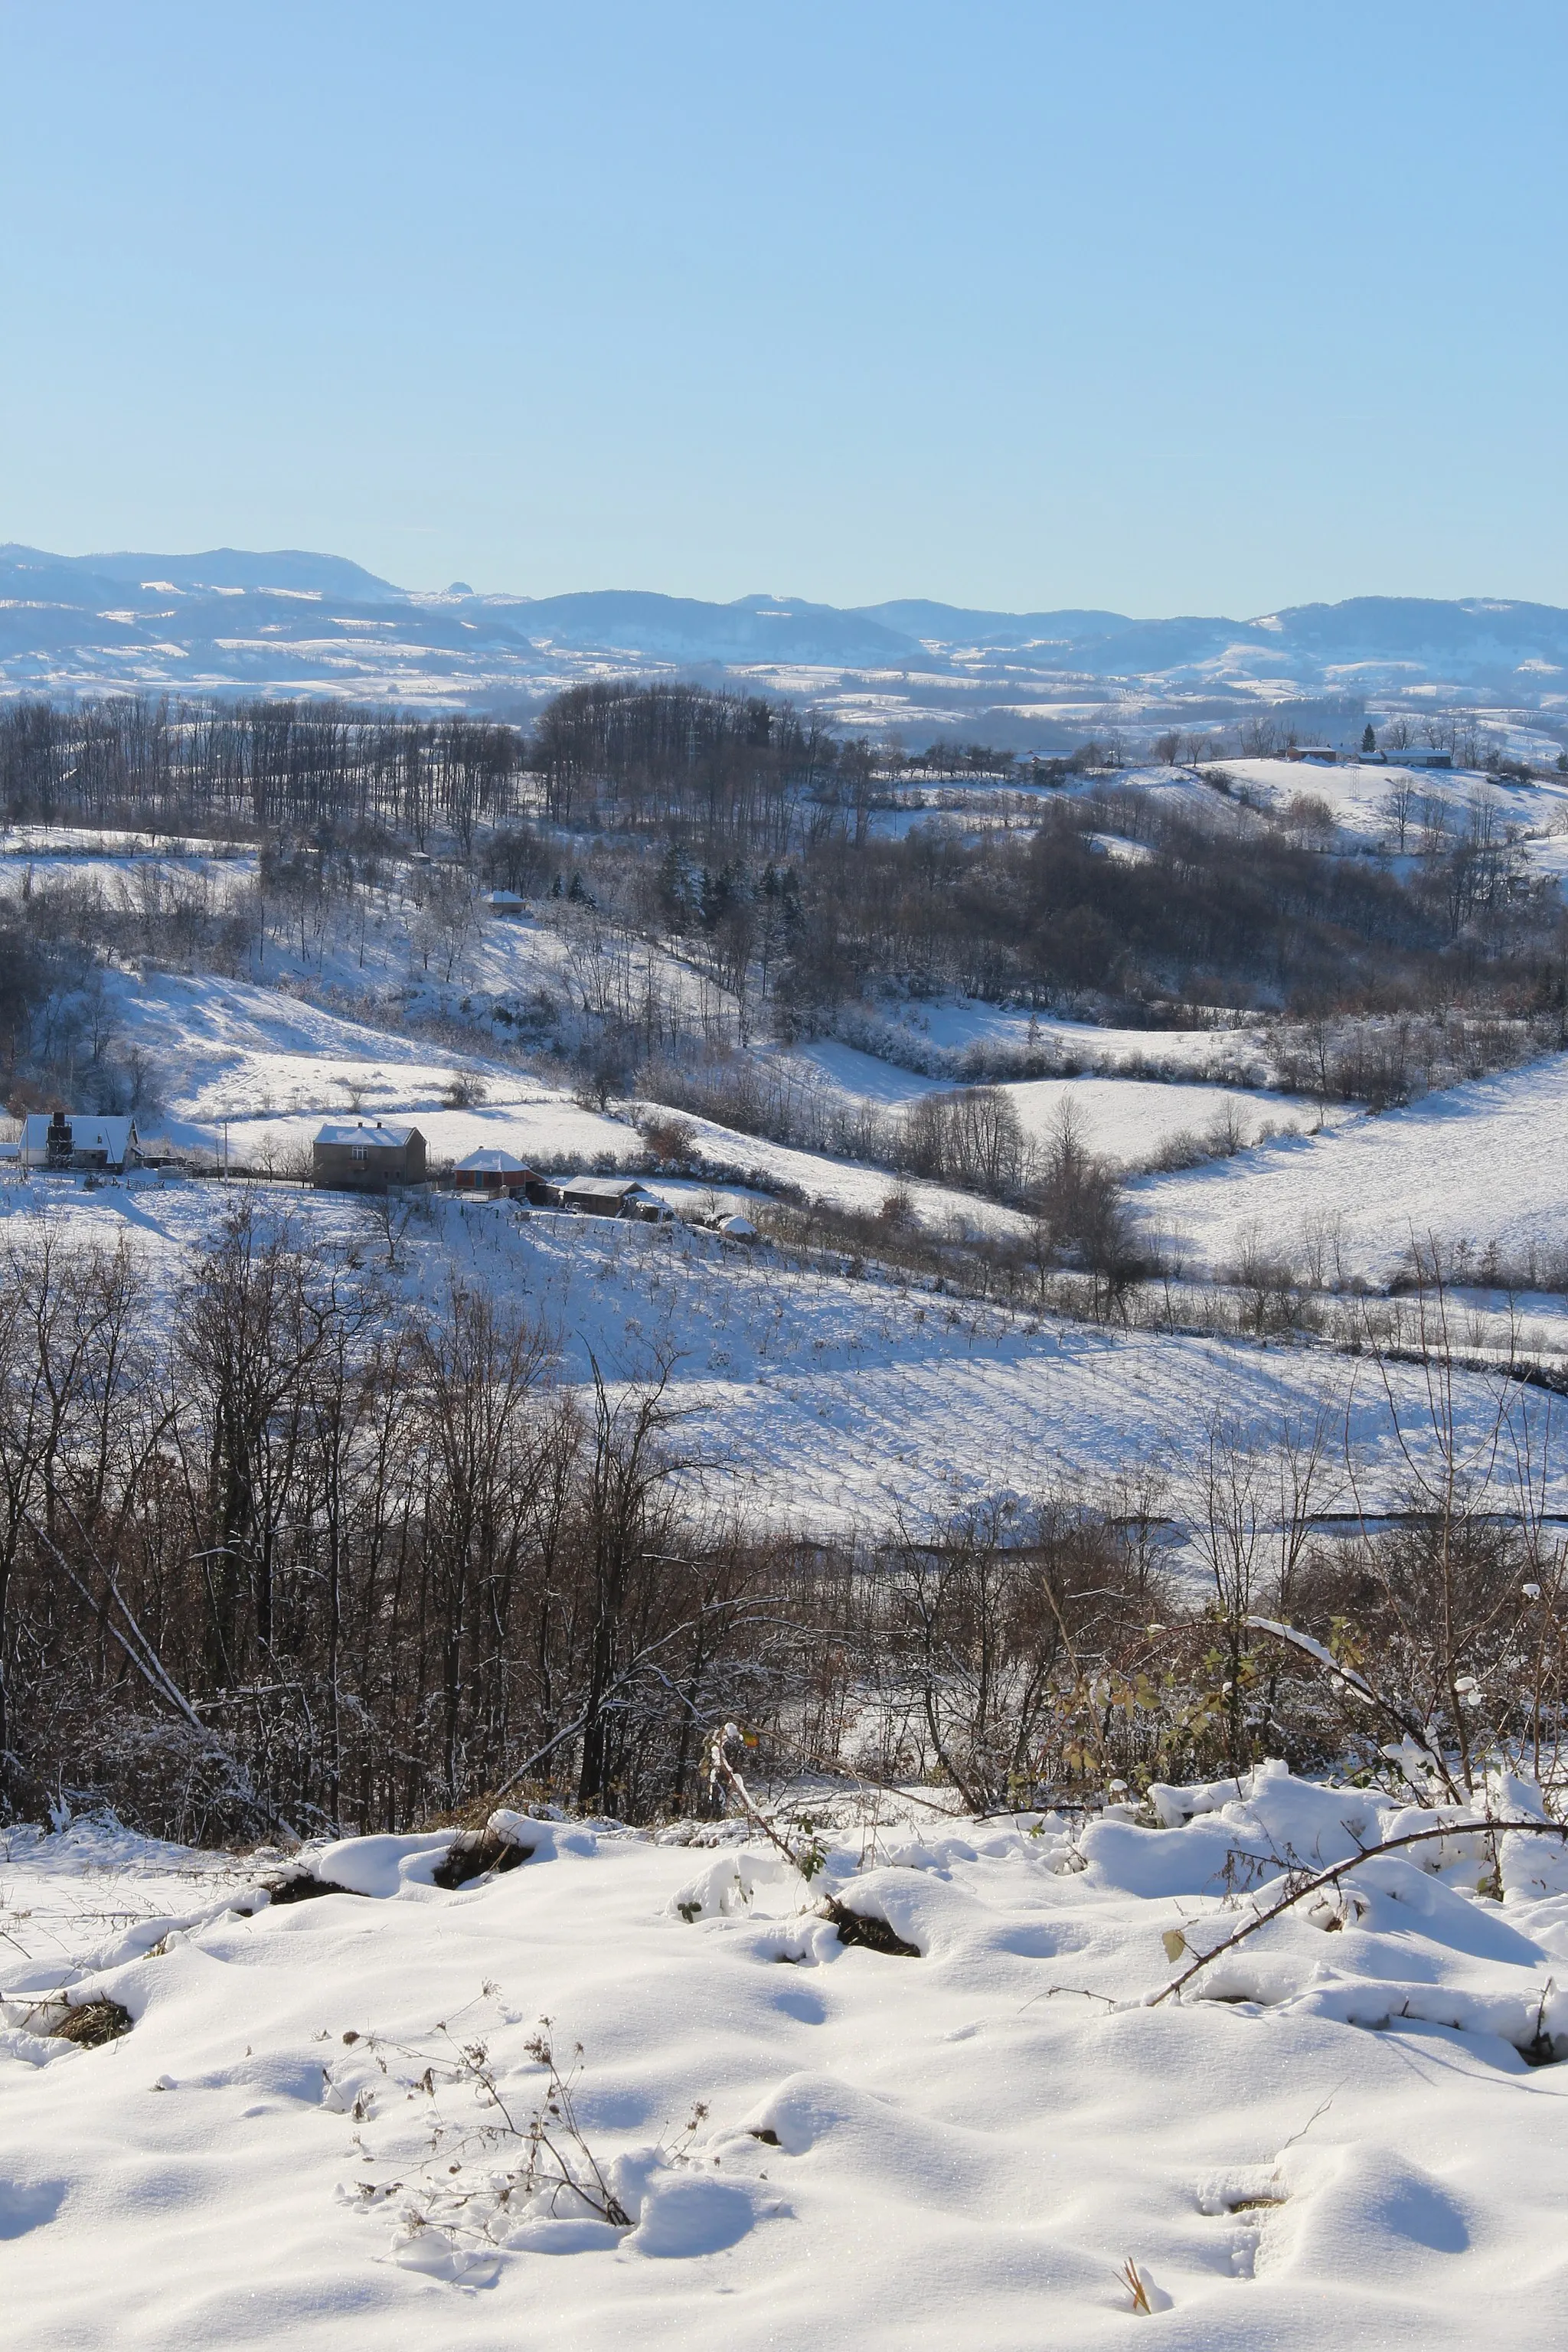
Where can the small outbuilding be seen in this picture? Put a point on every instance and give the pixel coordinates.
(78, 1140)
(492, 1170)
(350, 1157)
(615, 1196)
(504, 902)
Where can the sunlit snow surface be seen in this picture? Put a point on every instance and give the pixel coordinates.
(808, 1396)
(814, 1397)
(1332, 2139)
(1483, 1162)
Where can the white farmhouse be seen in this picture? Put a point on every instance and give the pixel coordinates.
(79, 1139)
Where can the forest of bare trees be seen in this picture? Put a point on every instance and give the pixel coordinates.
(741, 830)
(303, 1556)
(263, 767)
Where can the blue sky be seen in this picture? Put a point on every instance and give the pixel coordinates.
(1164, 308)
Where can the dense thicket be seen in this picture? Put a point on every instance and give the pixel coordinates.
(1212, 912)
(311, 1556)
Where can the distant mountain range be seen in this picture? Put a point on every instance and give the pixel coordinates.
(294, 623)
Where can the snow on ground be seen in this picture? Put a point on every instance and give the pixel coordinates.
(1116, 847)
(1550, 856)
(231, 1048)
(422, 942)
(1487, 1161)
(955, 1025)
(1358, 793)
(1128, 1120)
(68, 844)
(849, 1185)
(271, 1065)
(1131, 1122)
(541, 1125)
(812, 1398)
(1328, 2140)
(859, 1077)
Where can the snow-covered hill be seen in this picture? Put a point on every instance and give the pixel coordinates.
(807, 1394)
(319, 624)
(819, 1394)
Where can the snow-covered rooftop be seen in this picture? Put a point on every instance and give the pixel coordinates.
(355, 1131)
(489, 1161)
(603, 1188)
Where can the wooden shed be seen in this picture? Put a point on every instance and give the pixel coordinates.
(614, 1196)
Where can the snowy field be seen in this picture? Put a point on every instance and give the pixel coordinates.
(427, 945)
(1359, 796)
(956, 1026)
(809, 1398)
(315, 2128)
(864, 1398)
(1128, 1120)
(1131, 1122)
(1481, 1163)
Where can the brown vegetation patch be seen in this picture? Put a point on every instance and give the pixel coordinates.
(303, 1887)
(873, 1935)
(478, 1854)
(89, 2023)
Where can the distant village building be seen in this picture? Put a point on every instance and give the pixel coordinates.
(1324, 754)
(78, 1140)
(355, 1157)
(1423, 760)
(504, 902)
(614, 1196)
(491, 1171)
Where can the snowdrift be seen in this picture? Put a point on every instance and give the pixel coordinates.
(340, 2120)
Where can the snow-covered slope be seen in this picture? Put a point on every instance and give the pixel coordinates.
(317, 2128)
(1365, 797)
(1128, 1120)
(1482, 1163)
(811, 1397)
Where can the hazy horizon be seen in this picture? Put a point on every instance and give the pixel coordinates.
(908, 596)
